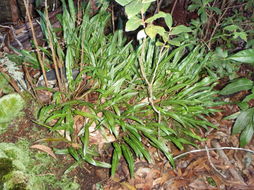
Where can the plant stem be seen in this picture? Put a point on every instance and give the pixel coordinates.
(35, 42)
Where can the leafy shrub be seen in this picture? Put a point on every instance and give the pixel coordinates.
(151, 95)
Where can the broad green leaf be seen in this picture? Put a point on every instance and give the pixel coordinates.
(129, 158)
(152, 30)
(123, 2)
(236, 86)
(180, 29)
(174, 42)
(169, 20)
(231, 28)
(244, 56)
(243, 120)
(248, 98)
(246, 135)
(155, 17)
(242, 35)
(133, 8)
(133, 23)
(115, 158)
(215, 9)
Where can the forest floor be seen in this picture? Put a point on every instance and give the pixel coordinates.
(215, 164)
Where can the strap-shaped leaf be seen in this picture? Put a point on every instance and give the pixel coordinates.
(133, 146)
(116, 157)
(129, 158)
(236, 86)
(111, 119)
(90, 160)
(141, 147)
(162, 146)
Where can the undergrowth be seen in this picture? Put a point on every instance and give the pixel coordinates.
(154, 94)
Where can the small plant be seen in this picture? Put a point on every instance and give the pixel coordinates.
(244, 119)
(134, 98)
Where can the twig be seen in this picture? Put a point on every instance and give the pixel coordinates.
(217, 24)
(173, 8)
(212, 149)
(149, 84)
(14, 35)
(232, 170)
(211, 163)
(52, 48)
(159, 2)
(35, 42)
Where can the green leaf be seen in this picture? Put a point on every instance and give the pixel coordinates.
(142, 149)
(231, 28)
(246, 135)
(123, 2)
(243, 120)
(215, 9)
(236, 86)
(86, 114)
(90, 160)
(85, 138)
(244, 56)
(74, 153)
(133, 146)
(152, 30)
(133, 23)
(148, 1)
(169, 20)
(180, 29)
(133, 8)
(162, 146)
(116, 157)
(155, 17)
(129, 158)
(111, 120)
(242, 35)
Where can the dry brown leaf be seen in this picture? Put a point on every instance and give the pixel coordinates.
(44, 148)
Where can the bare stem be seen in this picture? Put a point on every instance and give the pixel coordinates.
(35, 42)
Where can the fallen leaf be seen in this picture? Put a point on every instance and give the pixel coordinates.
(44, 148)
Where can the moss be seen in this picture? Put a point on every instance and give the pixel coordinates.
(5, 167)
